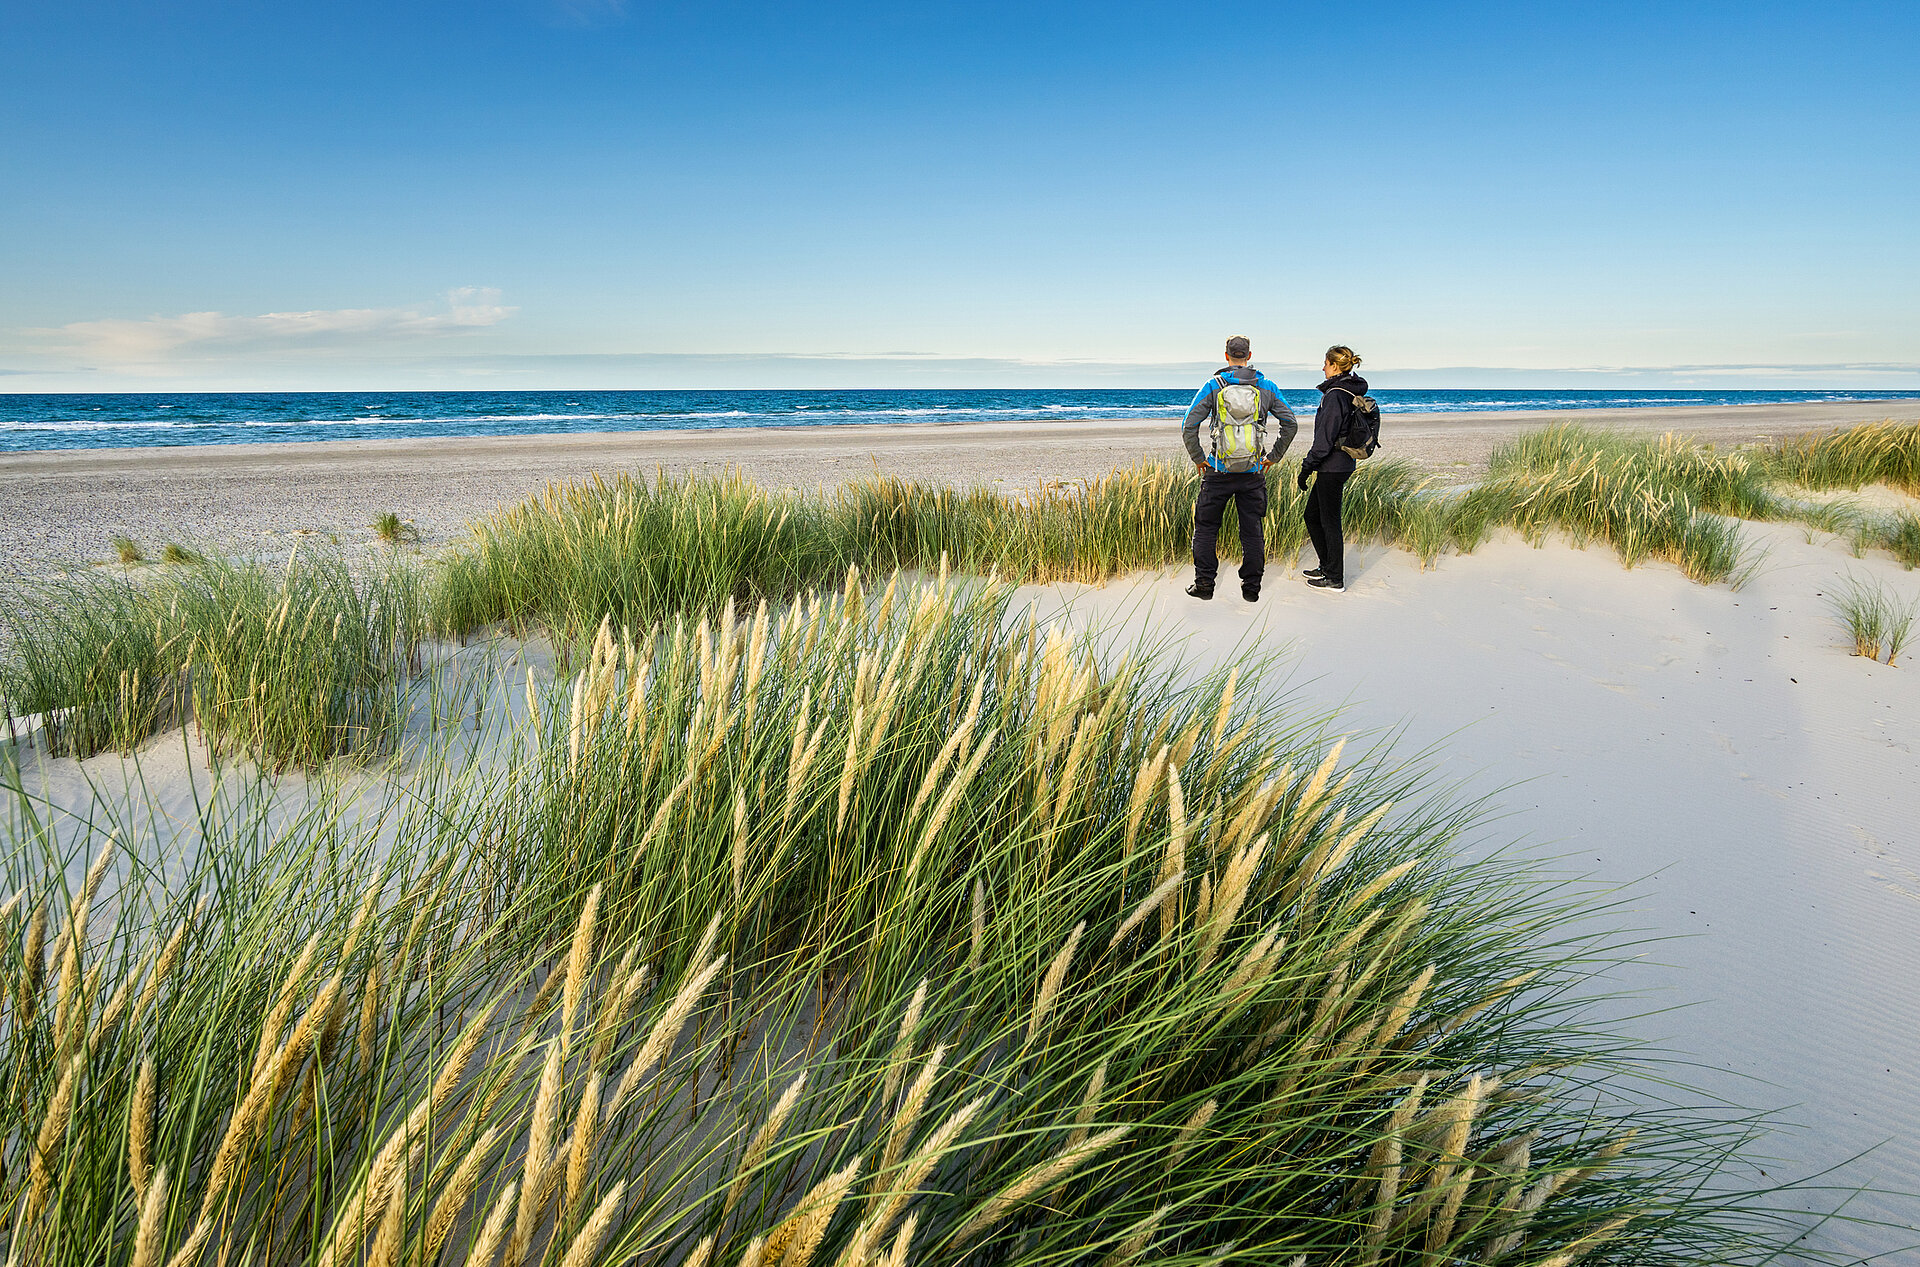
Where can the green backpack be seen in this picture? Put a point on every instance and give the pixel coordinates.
(1239, 427)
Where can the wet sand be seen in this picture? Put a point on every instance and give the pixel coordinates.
(64, 506)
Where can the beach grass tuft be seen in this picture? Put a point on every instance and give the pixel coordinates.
(639, 988)
(1874, 618)
(127, 550)
(390, 528)
(1851, 457)
(291, 665)
(176, 553)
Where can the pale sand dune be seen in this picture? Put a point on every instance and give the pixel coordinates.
(63, 506)
(1716, 756)
(1718, 753)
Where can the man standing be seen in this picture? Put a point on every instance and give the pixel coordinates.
(1237, 401)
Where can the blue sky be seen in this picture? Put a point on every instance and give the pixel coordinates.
(587, 193)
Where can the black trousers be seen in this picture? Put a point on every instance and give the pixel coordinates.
(1323, 522)
(1248, 493)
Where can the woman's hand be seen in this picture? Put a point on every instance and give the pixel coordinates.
(1302, 481)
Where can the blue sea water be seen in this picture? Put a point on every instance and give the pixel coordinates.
(30, 421)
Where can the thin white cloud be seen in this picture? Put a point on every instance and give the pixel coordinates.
(198, 335)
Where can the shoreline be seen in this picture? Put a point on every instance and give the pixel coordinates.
(63, 506)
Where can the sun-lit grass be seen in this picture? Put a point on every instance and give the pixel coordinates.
(177, 554)
(880, 924)
(127, 550)
(390, 528)
(1875, 618)
(635, 548)
(95, 657)
(1851, 457)
(291, 665)
(1898, 535)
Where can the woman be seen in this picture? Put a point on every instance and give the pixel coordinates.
(1331, 467)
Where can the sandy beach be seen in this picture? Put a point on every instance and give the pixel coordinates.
(1711, 763)
(1710, 766)
(64, 506)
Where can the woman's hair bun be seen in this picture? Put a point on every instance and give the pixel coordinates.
(1342, 358)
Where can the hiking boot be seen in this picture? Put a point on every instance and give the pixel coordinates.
(1197, 590)
(1250, 592)
(1327, 583)
(1313, 574)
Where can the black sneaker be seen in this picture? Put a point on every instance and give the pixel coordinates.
(1313, 574)
(1327, 583)
(1250, 593)
(1197, 590)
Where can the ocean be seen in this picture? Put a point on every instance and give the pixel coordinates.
(34, 421)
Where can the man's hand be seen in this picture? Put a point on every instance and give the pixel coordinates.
(1200, 467)
(1302, 481)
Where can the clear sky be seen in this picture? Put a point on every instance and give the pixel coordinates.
(590, 193)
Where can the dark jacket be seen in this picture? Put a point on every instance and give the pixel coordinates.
(1330, 422)
(1282, 429)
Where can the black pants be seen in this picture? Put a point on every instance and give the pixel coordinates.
(1323, 522)
(1248, 493)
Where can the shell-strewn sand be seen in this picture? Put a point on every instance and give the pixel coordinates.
(65, 506)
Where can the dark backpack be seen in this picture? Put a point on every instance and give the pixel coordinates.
(1361, 436)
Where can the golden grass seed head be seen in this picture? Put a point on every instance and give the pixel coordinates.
(1035, 1180)
(903, 1045)
(817, 1208)
(544, 1120)
(189, 1251)
(369, 1020)
(1051, 984)
(140, 1118)
(665, 1031)
(977, 939)
(579, 963)
(906, 1185)
(486, 1246)
(454, 1068)
(762, 1140)
(50, 1139)
(386, 1242)
(1190, 1130)
(580, 1153)
(1138, 1237)
(1089, 1105)
(1148, 905)
(153, 1222)
(455, 1193)
(911, 1106)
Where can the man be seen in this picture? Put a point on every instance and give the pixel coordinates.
(1239, 401)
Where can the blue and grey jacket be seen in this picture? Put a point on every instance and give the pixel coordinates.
(1271, 406)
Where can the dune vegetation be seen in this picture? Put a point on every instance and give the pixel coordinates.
(291, 665)
(881, 928)
(790, 925)
(634, 548)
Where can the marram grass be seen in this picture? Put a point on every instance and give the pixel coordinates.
(636, 548)
(291, 664)
(873, 929)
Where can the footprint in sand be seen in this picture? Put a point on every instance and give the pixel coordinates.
(1903, 879)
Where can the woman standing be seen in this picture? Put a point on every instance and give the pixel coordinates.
(1330, 466)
